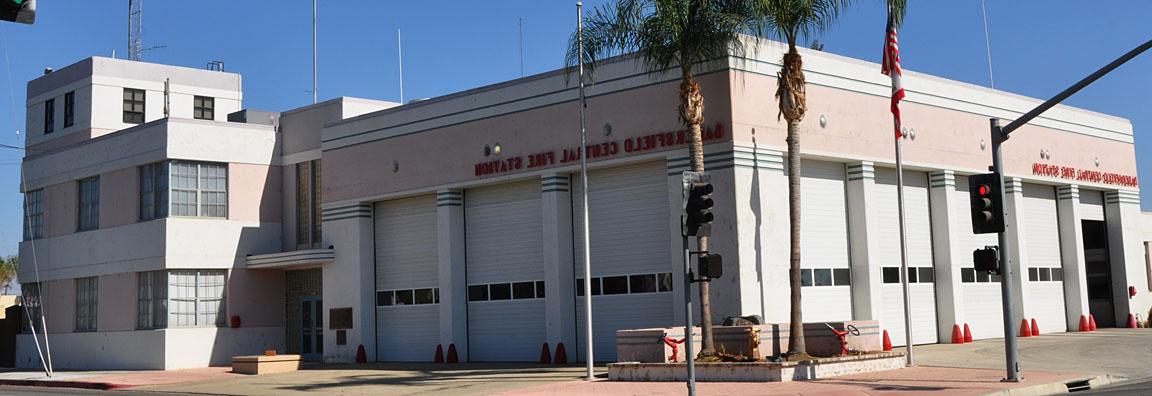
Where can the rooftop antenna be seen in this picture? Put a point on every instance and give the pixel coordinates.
(400, 57)
(136, 30)
(987, 44)
(521, 26)
(314, 93)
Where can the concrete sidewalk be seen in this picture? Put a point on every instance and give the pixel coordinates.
(114, 379)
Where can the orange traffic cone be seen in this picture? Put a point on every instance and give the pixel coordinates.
(1035, 328)
(957, 336)
(967, 334)
(361, 356)
(561, 356)
(545, 355)
(1083, 323)
(439, 354)
(1091, 322)
(1025, 330)
(1132, 321)
(452, 356)
(887, 341)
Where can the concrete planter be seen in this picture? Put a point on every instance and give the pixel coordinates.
(758, 341)
(757, 372)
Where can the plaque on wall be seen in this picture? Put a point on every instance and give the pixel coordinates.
(339, 318)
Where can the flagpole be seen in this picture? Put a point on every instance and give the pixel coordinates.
(588, 356)
(903, 248)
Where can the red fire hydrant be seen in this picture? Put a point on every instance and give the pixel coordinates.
(842, 336)
(675, 344)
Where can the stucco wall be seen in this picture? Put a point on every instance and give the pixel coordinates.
(119, 197)
(254, 192)
(256, 296)
(60, 205)
(116, 302)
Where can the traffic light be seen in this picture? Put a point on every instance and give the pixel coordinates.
(19, 11)
(987, 207)
(711, 265)
(987, 259)
(698, 207)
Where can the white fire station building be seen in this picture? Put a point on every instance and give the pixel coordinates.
(171, 228)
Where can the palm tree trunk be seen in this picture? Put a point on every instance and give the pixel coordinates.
(692, 113)
(793, 104)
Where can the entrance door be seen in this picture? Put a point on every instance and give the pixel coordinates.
(311, 327)
(1099, 273)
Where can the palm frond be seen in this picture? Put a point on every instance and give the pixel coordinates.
(790, 20)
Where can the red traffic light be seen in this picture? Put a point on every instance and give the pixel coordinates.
(983, 190)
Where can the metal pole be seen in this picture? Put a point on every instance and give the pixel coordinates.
(904, 254)
(1012, 365)
(314, 93)
(584, 203)
(400, 60)
(688, 354)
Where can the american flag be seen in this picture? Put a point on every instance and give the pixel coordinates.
(891, 68)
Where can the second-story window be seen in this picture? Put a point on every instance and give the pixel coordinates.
(204, 108)
(153, 191)
(199, 189)
(308, 205)
(69, 109)
(49, 115)
(34, 215)
(133, 106)
(89, 213)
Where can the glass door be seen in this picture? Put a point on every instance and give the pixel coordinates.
(311, 327)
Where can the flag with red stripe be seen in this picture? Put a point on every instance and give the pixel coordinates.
(891, 68)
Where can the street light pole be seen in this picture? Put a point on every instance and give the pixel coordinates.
(589, 357)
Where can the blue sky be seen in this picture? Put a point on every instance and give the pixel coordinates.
(1038, 48)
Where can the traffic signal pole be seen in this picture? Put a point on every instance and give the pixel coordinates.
(999, 136)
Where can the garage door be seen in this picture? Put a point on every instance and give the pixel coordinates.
(825, 277)
(1045, 282)
(407, 293)
(505, 272)
(631, 253)
(983, 311)
(1091, 205)
(921, 279)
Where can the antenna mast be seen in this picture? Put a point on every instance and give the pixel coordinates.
(135, 28)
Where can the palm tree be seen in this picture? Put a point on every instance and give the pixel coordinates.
(789, 20)
(670, 35)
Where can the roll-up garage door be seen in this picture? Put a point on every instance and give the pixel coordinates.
(922, 277)
(407, 290)
(825, 277)
(631, 253)
(505, 272)
(1044, 285)
(981, 294)
(1091, 205)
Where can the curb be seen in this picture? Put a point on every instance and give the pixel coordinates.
(1053, 388)
(63, 384)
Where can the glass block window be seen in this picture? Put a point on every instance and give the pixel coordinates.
(33, 214)
(196, 298)
(308, 205)
(204, 108)
(89, 213)
(133, 106)
(86, 291)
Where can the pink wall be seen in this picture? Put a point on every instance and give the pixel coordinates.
(60, 305)
(861, 125)
(119, 197)
(60, 205)
(116, 302)
(254, 192)
(257, 297)
(449, 154)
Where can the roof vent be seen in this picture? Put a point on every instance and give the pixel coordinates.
(47, 70)
(215, 66)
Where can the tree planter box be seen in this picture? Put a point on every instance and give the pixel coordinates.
(758, 372)
(758, 341)
(262, 364)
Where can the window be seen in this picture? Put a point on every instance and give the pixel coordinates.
(308, 205)
(665, 280)
(69, 108)
(154, 191)
(31, 298)
(33, 215)
(49, 115)
(1045, 274)
(615, 284)
(805, 277)
(203, 108)
(539, 289)
(151, 299)
(842, 276)
(915, 274)
(825, 277)
(500, 291)
(387, 298)
(523, 290)
(404, 297)
(89, 213)
(133, 106)
(197, 298)
(822, 276)
(478, 293)
(384, 298)
(199, 189)
(890, 274)
(627, 284)
(968, 275)
(926, 275)
(642, 283)
(86, 304)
